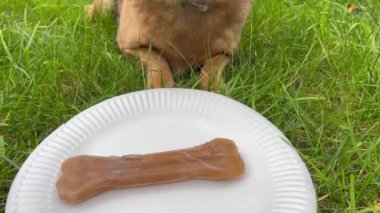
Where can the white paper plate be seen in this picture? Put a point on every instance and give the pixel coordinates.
(276, 179)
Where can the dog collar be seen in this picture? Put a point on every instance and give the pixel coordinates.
(200, 7)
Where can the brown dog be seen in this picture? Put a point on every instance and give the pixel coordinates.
(173, 35)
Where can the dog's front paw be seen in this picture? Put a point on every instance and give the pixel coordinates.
(212, 85)
(211, 77)
(90, 11)
(158, 79)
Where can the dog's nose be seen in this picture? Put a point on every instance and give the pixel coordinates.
(201, 5)
(194, 2)
(200, 2)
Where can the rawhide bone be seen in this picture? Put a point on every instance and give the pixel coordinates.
(85, 176)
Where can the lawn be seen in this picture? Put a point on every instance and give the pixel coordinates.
(310, 67)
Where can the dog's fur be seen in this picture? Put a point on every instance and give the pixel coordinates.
(169, 37)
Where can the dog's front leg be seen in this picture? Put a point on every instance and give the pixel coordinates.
(211, 73)
(158, 70)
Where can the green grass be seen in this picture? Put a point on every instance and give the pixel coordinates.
(310, 67)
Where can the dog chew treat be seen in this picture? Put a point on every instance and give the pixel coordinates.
(85, 176)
